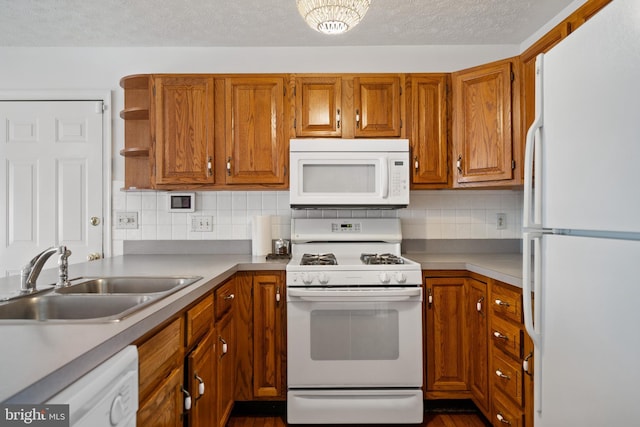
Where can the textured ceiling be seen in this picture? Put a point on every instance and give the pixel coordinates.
(266, 23)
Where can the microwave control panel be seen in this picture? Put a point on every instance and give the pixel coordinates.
(399, 177)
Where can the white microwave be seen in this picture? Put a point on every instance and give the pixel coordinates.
(349, 173)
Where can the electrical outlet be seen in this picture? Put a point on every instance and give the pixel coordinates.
(127, 220)
(501, 221)
(201, 223)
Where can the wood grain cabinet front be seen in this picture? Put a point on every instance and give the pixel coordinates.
(482, 125)
(182, 117)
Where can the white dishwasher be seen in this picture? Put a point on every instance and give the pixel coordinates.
(106, 396)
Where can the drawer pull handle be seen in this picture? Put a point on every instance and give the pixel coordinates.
(187, 399)
(525, 364)
(499, 335)
(502, 419)
(501, 375)
(225, 347)
(200, 385)
(502, 303)
(229, 297)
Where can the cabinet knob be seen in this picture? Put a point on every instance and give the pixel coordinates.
(338, 119)
(459, 163)
(502, 419)
(278, 294)
(229, 297)
(416, 164)
(358, 119)
(200, 384)
(225, 347)
(229, 166)
(502, 375)
(499, 335)
(209, 167)
(525, 364)
(479, 305)
(187, 399)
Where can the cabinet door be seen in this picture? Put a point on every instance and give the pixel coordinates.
(268, 335)
(318, 106)
(428, 130)
(255, 139)
(482, 137)
(377, 106)
(164, 406)
(183, 125)
(201, 377)
(477, 312)
(445, 335)
(225, 368)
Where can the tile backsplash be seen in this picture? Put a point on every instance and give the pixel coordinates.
(441, 214)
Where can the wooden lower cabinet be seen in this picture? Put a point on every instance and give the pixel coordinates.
(163, 408)
(446, 340)
(477, 318)
(261, 334)
(200, 382)
(511, 384)
(161, 376)
(225, 369)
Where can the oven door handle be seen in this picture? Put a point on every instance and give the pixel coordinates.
(371, 294)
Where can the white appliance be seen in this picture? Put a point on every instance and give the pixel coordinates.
(582, 225)
(106, 396)
(354, 324)
(349, 173)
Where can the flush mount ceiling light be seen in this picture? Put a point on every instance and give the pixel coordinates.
(333, 16)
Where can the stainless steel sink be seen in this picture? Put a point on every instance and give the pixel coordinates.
(96, 308)
(90, 300)
(128, 285)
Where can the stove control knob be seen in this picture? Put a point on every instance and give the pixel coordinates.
(384, 277)
(323, 278)
(306, 278)
(401, 277)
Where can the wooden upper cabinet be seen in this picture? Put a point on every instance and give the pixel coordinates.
(482, 135)
(183, 129)
(255, 144)
(318, 106)
(377, 106)
(427, 127)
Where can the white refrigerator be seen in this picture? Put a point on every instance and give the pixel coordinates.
(581, 240)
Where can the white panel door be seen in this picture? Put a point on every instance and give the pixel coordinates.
(50, 180)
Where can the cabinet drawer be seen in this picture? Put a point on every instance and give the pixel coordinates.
(505, 413)
(159, 355)
(506, 336)
(224, 297)
(506, 302)
(199, 320)
(507, 376)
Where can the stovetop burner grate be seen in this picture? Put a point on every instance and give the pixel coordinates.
(319, 259)
(381, 259)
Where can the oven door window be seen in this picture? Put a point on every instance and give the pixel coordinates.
(354, 334)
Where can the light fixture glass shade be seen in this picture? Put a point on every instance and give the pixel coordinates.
(333, 16)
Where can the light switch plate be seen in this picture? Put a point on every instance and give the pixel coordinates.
(202, 223)
(126, 220)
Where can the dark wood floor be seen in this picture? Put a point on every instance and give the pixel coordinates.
(430, 420)
(436, 418)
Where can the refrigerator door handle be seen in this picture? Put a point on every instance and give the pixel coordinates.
(534, 260)
(533, 157)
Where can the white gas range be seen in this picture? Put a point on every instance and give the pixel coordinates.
(354, 322)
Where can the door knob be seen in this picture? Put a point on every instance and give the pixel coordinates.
(94, 221)
(93, 256)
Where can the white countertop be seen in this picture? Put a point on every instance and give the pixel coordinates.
(39, 359)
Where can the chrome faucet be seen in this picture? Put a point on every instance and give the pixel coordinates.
(30, 272)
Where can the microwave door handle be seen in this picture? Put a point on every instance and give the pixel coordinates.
(385, 177)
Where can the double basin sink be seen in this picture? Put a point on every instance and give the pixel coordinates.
(105, 299)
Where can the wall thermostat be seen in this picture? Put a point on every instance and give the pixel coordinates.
(182, 202)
